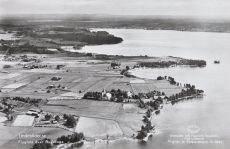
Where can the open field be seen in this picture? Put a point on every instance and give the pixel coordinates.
(80, 79)
(140, 88)
(22, 77)
(9, 76)
(14, 143)
(82, 86)
(9, 133)
(23, 120)
(131, 108)
(170, 91)
(130, 123)
(98, 128)
(137, 81)
(100, 85)
(14, 85)
(93, 79)
(151, 87)
(42, 71)
(87, 108)
(123, 80)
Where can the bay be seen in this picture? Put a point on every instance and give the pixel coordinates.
(210, 113)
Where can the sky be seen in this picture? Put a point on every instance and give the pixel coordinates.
(118, 7)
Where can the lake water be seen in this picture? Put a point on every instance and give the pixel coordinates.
(211, 113)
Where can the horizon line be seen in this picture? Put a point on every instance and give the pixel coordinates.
(110, 14)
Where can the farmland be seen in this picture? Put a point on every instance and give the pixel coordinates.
(98, 128)
(77, 76)
(14, 142)
(88, 108)
(140, 88)
(23, 120)
(103, 84)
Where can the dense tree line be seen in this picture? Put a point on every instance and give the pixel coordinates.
(172, 80)
(43, 144)
(148, 95)
(119, 95)
(70, 120)
(162, 64)
(148, 126)
(191, 62)
(23, 99)
(75, 137)
(190, 90)
(93, 95)
(47, 143)
(113, 64)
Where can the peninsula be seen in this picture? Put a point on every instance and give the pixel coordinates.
(64, 97)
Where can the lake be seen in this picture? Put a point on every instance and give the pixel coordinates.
(210, 113)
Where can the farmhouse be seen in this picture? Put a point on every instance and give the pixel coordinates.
(35, 110)
(12, 87)
(129, 94)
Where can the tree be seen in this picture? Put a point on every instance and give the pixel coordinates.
(57, 118)
(75, 137)
(120, 99)
(48, 117)
(43, 144)
(89, 54)
(160, 78)
(71, 121)
(124, 72)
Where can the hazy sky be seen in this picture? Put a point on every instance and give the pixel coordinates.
(120, 7)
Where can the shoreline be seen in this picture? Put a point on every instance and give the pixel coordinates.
(144, 28)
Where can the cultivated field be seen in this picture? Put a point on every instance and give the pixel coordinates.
(137, 81)
(87, 108)
(98, 128)
(170, 91)
(140, 88)
(14, 143)
(9, 76)
(93, 79)
(23, 120)
(151, 87)
(100, 85)
(80, 78)
(82, 86)
(130, 123)
(9, 133)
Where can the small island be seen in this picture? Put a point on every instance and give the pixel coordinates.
(216, 62)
